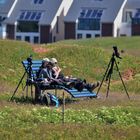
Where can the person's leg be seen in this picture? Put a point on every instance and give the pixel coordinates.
(91, 86)
(37, 93)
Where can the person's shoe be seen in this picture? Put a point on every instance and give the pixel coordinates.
(70, 84)
(79, 86)
(93, 86)
(84, 81)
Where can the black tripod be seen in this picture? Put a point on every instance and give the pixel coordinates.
(109, 72)
(29, 73)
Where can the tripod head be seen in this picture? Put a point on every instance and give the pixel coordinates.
(29, 59)
(116, 53)
(112, 61)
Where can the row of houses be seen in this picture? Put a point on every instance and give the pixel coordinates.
(46, 21)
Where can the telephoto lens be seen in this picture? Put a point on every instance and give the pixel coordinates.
(116, 53)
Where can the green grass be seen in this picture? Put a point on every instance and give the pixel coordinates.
(128, 44)
(72, 131)
(11, 54)
(89, 59)
(111, 119)
(81, 58)
(39, 122)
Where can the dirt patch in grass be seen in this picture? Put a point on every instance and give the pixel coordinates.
(41, 50)
(128, 74)
(38, 49)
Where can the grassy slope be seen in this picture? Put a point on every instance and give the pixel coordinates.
(82, 58)
(92, 57)
(11, 54)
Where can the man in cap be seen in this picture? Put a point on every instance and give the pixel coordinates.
(43, 71)
(48, 72)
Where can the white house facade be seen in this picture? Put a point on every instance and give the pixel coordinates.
(94, 18)
(46, 21)
(39, 21)
(6, 9)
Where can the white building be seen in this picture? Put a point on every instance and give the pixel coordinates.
(130, 25)
(6, 8)
(38, 21)
(46, 21)
(94, 18)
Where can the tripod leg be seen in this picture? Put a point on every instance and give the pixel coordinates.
(26, 91)
(104, 76)
(122, 80)
(32, 92)
(18, 86)
(23, 89)
(108, 88)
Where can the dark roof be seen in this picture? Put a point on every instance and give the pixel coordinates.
(5, 6)
(111, 9)
(132, 4)
(49, 8)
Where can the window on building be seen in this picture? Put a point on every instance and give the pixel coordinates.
(136, 18)
(36, 39)
(38, 1)
(2, 18)
(27, 16)
(30, 15)
(88, 35)
(54, 39)
(79, 36)
(18, 37)
(89, 24)
(27, 38)
(89, 19)
(97, 35)
(128, 16)
(98, 0)
(30, 26)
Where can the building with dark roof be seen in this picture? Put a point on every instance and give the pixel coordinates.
(46, 21)
(131, 19)
(6, 9)
(38, 21)
(94, 18)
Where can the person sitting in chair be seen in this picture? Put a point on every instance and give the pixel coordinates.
(55, 68)
(71, 82)
(46, 72)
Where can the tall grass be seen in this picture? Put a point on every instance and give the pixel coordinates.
(86, 119)
(45, 123)
(87, 59)
(11, 54)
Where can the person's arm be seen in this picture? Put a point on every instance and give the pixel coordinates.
(57, 71)
(44, 74)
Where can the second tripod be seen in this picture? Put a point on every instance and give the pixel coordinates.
(109, 72)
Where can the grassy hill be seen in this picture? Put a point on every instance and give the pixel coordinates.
(113, 118)
(81, 58)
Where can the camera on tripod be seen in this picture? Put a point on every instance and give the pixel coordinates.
(109, 71)
(116, 53)
(29, 59)
(29, 69)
